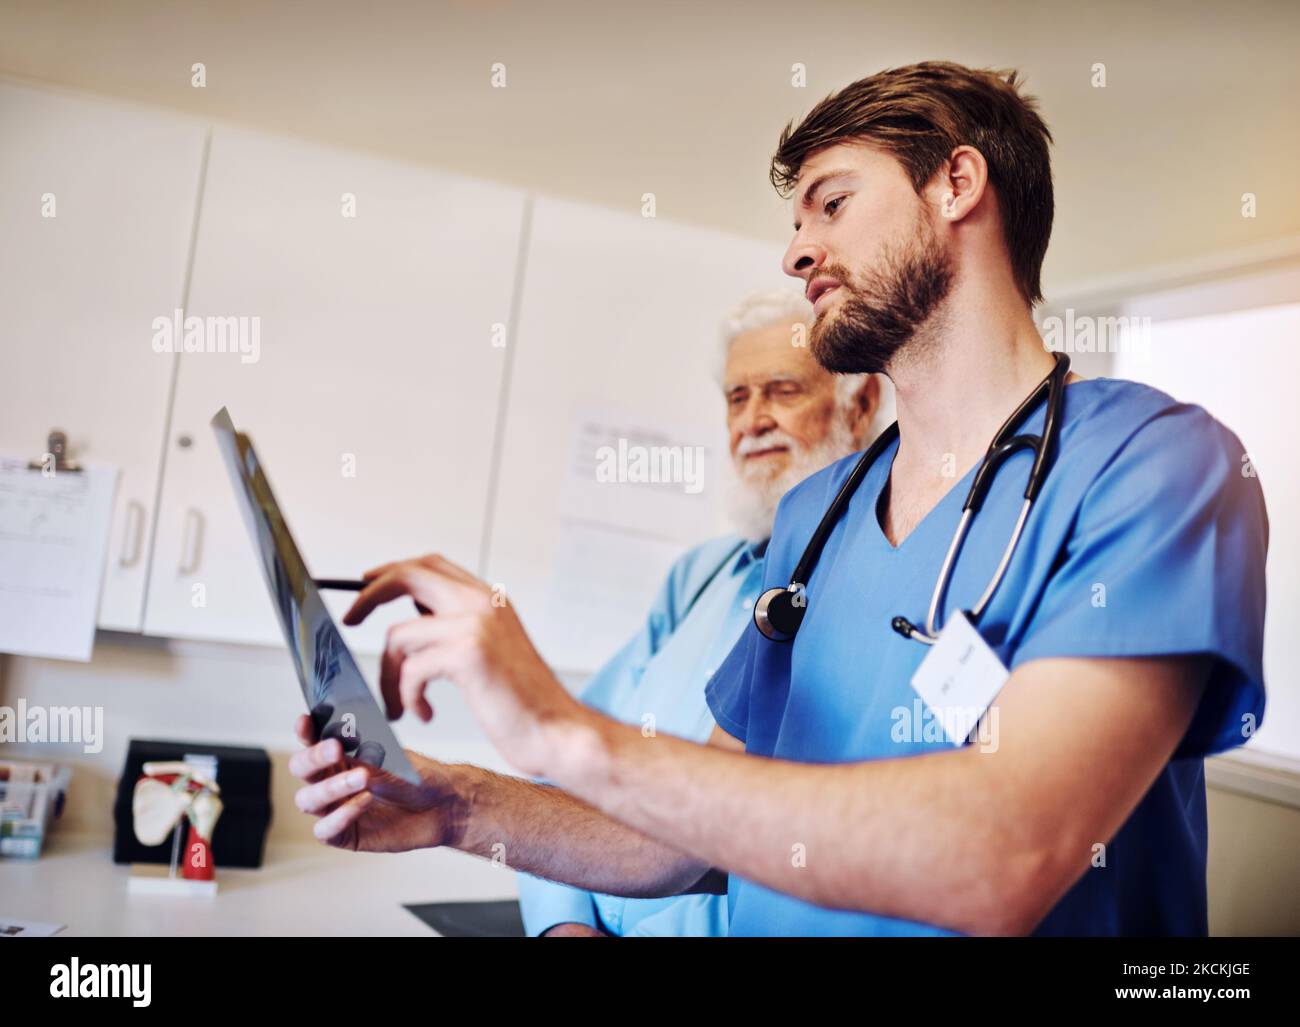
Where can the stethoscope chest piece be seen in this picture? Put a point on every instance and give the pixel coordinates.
(779, 612)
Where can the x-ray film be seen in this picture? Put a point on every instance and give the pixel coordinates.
(340, 703)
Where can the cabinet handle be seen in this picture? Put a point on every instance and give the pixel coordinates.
(132, 534)
(191, 542)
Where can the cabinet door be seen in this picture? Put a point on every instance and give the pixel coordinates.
(370, 389)
(618, 338)
(80, 289)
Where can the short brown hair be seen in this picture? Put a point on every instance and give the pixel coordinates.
(919, 114)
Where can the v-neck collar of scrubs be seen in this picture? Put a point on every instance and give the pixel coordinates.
(958, 488)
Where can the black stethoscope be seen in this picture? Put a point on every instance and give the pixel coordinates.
(779, 611)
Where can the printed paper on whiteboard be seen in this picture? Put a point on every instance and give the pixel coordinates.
(638, 492)
(635, 474)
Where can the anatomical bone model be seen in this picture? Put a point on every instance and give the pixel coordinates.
(166, 792)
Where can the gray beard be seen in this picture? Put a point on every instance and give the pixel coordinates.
(751, 502)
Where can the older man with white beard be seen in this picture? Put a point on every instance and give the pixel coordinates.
(786, 419)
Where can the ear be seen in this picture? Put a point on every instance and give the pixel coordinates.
(866, 401)
(957, 188)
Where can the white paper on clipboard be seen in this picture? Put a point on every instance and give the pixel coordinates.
(53, 539)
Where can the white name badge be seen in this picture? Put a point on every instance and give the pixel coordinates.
(959, 678)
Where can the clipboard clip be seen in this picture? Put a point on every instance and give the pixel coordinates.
(55, 459)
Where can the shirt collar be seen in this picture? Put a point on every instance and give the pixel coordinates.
(750, 552)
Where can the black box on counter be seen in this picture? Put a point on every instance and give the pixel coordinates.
(244, 777)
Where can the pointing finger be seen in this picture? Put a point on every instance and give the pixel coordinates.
(418, 670)
(420, 584)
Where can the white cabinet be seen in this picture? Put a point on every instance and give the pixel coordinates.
(375, 300)
(618, 329)
(80, 290)
(373, 390)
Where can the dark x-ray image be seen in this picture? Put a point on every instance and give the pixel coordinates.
(340, 703)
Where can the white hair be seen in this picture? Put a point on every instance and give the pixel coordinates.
(778, 306)
(762, 310)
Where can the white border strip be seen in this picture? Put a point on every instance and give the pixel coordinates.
(1259, 775)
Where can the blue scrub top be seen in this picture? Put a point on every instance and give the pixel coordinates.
(1148, 539)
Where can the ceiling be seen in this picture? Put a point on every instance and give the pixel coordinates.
(607, 101)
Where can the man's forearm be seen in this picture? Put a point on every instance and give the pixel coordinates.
(853, 836)
(974, 841)
(547, 832)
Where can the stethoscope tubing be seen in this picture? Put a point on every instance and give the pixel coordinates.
(779, 612)
(1002, 446)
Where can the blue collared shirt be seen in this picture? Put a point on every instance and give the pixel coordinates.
(657, 682)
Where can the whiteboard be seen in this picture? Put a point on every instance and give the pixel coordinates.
(618, 328)
(1242, 366)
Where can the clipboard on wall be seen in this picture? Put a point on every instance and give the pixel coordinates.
(55, 516)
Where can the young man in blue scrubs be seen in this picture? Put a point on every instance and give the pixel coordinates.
(1129, 622)
(787, 417)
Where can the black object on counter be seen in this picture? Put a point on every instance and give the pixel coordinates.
(472, 919)
(244, 777)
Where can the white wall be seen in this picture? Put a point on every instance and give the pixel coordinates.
(198, 692)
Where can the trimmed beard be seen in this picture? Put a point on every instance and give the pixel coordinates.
(883, 309)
